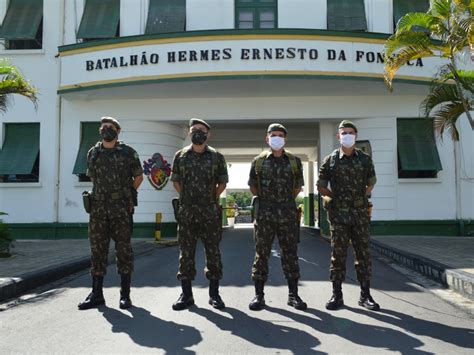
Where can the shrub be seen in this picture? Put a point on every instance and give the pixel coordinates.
(5, 239)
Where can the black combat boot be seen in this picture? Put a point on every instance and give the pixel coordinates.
(125, 301)
(293, 299)
(366, 299)
(214, 299)
(96, 297)
(336, 300)
(186, 299)
(258, 302)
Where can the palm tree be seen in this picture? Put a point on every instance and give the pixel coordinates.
(446, 31)
(13, 82)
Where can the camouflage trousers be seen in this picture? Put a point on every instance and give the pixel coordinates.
(204, 225)
(107, 223)
(265, 233)
(341, 234)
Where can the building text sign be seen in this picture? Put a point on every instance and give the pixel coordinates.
(232, 57)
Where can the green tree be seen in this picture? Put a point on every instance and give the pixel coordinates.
(13, 82)
(445, 31)
(242, 199)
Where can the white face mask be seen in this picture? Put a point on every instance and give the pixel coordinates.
(276, 143)
(348, 140)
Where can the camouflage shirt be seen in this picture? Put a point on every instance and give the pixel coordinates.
(112, 169)
(277, 184)
(199, 173)
(348, 177)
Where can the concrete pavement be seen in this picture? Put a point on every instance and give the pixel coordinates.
(412, 319)
(447, 260)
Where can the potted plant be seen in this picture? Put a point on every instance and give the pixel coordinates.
(230, 212)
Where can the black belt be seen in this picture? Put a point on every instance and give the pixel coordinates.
(115, 195)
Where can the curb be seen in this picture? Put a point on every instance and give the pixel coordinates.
(456, 280)
(17, 286)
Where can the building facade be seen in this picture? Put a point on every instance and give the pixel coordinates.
(239, 64)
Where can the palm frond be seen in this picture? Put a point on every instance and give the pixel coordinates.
(416, 20)
(445, 118)
(13, 82)
(440, 9)
(439, 94)
(403, 39)
(401, 58)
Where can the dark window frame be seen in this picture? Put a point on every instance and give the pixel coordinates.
(256, 7)
(428, 139)
(33, 177)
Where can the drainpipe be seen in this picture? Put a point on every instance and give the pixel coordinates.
(58, 117)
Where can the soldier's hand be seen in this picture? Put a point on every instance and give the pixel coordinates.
(327, 202)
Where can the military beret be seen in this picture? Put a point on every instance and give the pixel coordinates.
(110, 120)
(194, 121)
(347, 124)
(277, 127)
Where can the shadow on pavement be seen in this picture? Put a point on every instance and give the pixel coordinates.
(462, 337)
(367, 335)
(149, 331)
(260, 332)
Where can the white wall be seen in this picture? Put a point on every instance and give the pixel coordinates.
(72, 19)
(425, 199)
(209, 15)
(36, 202)
(466, 168)
(302, 14)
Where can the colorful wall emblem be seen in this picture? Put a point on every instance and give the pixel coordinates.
(158, 171)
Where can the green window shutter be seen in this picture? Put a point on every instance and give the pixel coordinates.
(166, 16)
(417, 146)
(402, 7)
(100, 19)
(22, 19)
(89, 137)
(20, 148)
(346, 15)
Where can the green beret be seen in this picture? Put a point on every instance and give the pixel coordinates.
(347, 124)
(110, 120)
(277, 127)
(194, 121)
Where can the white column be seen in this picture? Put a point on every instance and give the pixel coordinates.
(130, 17)
(379, 15)
(302, 14)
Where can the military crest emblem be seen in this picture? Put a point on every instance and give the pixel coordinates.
(157, 170)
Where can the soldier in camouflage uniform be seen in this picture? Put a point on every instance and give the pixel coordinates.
(276, 177)
(116, 174)
(199, 175)
(346, 178)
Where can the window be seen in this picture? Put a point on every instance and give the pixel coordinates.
(89, 137)
(402, 7)
(417, 153)
(100, 20)
(254, 14)
(22, 26)
(166, 16)
(19, 156)
(346, 15)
